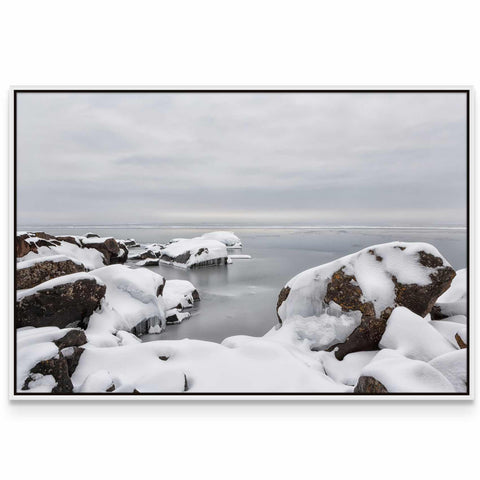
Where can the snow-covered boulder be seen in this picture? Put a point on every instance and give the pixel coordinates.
(132, 303)
(47, 358)
(93, 252)
(113, 252)
(229, 239)
(254, 366)
(38, 270)
(63, 301)
(453, 366)
(391, 372)
(366, 286)
(179, 294)
(70, 247)
(413, 336)
(195, 252)
(454, 300)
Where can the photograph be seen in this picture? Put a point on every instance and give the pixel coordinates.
(210, 242)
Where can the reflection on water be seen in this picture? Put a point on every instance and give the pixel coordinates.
(240, 298)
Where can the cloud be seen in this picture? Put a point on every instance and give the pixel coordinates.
(270, 158)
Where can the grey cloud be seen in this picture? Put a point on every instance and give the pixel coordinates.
(291, 158)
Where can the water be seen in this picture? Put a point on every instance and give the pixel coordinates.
(240, 298)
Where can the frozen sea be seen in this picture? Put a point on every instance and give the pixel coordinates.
(240, 298)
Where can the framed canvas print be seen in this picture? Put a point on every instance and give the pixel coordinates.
(240, 243)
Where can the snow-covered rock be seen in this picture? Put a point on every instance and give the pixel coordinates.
(368, 284)
(179, 294)
(63, 301)
(256, 366)
(413, 336)
(38, 270)
(195, 252)
(399, 374)
(454, 300)
(453, 366)
(227, 238)
(148, 262)
(46, 358)
(133, 303)
(348, 370)
(93, 252)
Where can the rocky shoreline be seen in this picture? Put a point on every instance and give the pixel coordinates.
(390, 318)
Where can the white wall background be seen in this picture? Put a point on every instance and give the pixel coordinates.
(234, 43)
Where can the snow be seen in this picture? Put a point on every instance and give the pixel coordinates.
(55, 282)
(256, 366)
(400, 374)
(178, 292)
(449, 329)
(413, 336)
(94, 240)
(320, 332)
(163, 380)
(52, 258)
(227, 238)
(348, 370)
(98, 381)
(35, 345)
(130, 298)
(210, 250)
(89, 257)
(453, 366)
(454, 300)
(457, 290)
(41, 383)
(235, 257)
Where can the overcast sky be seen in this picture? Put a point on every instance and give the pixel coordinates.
(241, 158)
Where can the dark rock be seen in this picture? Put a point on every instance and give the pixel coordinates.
(64, 305)
(365, 337)
(91, 235)
(183, 258)
(436, 313)
(110, 249)
(460, 342)
(344, 290)
(73, 338)
(150, 262)
(58, 368)
(369, 385)
(161, 287)
(45, 236)
(42, 271)
(72, 355)
(421, 299)
(69, 239)
(284, 292)
(144, 326)
(144, 255)
(22, 247)
(122, 256)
